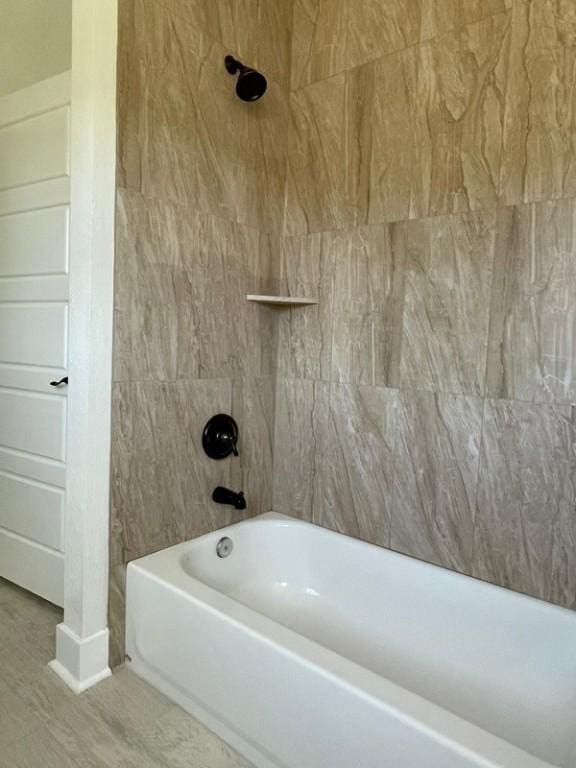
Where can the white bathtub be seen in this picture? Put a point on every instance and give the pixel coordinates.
(307, 649)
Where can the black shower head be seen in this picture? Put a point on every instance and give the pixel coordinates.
(251, 85)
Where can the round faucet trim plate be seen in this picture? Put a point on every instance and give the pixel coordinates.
(224, 547)
(220, 437)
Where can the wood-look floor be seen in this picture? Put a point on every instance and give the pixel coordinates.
(120, 723)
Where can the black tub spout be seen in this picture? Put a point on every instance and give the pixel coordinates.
(225, 496)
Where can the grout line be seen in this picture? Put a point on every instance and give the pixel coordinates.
(418, 44)
(419, 219)
(191, 209)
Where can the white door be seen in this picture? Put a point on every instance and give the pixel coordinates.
(34, 223)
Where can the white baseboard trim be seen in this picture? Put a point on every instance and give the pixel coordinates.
(81, 662)
(78, 686)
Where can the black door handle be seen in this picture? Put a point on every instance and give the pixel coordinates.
(58, 383)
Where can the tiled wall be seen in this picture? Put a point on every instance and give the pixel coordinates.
(201, 186)
(413, 166)
(428, 402)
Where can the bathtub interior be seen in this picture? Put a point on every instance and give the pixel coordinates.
(502, 661)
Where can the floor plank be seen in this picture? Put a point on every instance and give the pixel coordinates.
(121, 723)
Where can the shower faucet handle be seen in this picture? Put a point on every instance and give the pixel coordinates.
(228, 441)
(220, 437)
(232, 441)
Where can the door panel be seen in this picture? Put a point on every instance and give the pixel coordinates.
(33, 333)
(31, 288)
(32, 379)
(55, 192)
(34, 214)
(34, 242)
(35, 467)
(33, 423)
(35, 567)
(35, 149)
(31, 509)
(38, 98)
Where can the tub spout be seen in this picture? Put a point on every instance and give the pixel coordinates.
(225, 496)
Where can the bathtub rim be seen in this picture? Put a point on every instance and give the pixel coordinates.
(392, 554)
(470, 741)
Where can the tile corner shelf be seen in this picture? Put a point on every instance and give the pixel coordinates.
(280, 301)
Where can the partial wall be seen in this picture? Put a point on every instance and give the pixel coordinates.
(200, 199)
(413, 167)
(427, 403)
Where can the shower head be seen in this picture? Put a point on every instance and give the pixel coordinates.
(251, 85)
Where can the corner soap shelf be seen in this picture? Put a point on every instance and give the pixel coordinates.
(280, 301)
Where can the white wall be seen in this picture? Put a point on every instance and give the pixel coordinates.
(35, 41)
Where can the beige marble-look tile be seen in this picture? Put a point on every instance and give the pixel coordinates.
(333, 456)
(146, 342)
(305, 333)
(331, 36)
(355, 462)
(145, 311)
(252, 472)
(322, 170)
(301, 405)
(161, 479)
(271, 264)
(368, 303)
(257, 31)
(272, 39)
(374, 29)
(448, 281)
(353, 159)
(439, 16)
(342, 171)
(392, 112)
(192, 141)
(228, 22)
(117, 610)
(130, 79)
(149, 232)
(539, 151)
(461, 91)
(180, 295)
(223, 335)
(318, 40)
(533, 318)
(525, 533)
(146, 316)
(435, 478)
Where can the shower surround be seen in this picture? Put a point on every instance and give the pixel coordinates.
(382, 660)
(427, 403)
(201, 181)
(412, 166)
